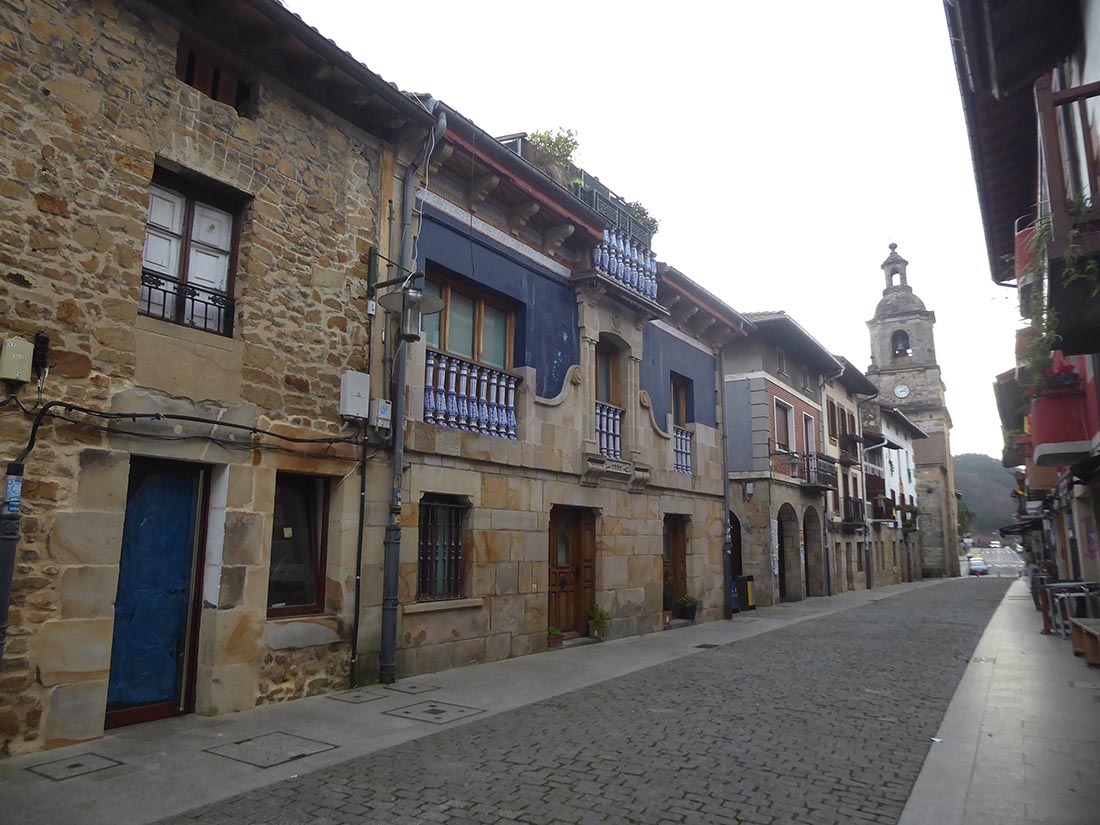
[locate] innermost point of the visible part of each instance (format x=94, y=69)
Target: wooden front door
x=572, y=566
x=159, y=588
x=675, y=554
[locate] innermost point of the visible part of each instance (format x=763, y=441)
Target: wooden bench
x=1086, y=639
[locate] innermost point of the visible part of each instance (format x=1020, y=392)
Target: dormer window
x=899, y=344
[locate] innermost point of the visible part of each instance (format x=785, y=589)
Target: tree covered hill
x=986, y=487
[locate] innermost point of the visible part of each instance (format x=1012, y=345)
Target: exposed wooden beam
x=518, y=216
x=480, y=189
x=553, y=238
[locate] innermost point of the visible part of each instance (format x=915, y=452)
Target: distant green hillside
x=986, y=487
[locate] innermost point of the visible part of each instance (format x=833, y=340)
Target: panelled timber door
x=675, y=554
x=572, y=565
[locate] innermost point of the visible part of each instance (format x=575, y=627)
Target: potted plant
x=689, y=606
x=669, y=604
x=598, y=620
x=553, y=637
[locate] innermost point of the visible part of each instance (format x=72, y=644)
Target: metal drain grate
x=706, y=646
x=270, y=749
x=438, y=713
x=412, y=688
x=355, y=697
x=74, y=766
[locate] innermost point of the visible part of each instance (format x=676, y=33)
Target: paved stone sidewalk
x=826, y=721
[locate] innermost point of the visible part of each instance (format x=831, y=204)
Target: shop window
x=296, y=576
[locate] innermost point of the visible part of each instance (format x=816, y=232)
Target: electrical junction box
x=355, y=395
x=381, y=414
x=15, y=360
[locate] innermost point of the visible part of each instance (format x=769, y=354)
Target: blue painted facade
x=665, y=354
x=544, y=303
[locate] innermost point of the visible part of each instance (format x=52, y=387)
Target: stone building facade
x=190, y=222
x=846, y=504
x=779, y=473
x=903, y=367
x=559, y=509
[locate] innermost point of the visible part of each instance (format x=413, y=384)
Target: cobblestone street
x=826, y=721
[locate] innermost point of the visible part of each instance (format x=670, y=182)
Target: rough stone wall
x=90, y=105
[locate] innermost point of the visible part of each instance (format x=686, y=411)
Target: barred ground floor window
x=440, y=572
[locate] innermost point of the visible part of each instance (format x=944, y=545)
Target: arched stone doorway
x=790, y=566
x=815, y=555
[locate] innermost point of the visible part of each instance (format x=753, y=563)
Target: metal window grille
x=439, y=561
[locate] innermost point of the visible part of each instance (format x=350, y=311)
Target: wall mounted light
x=747, y=490
x=412, y=304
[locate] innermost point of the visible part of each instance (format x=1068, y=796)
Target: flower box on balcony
x=1058, y=429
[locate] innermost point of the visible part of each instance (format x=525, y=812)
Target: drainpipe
x=867, y=573
x=9, y=541
x=825, y=379
x=353, y=681
x=727, y=545
x=392, y=542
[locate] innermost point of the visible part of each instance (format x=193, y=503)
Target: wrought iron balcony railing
x=854, y=510
x=200, y=308
x=463, y=395
x=681, y=449
x=609, y=422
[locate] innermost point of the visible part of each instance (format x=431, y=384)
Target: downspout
x=352, y=680
x=727, y=546
x=392, y=543
x=825, y=379
x=867, y=575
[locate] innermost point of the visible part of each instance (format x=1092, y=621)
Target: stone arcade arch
x=790, y=564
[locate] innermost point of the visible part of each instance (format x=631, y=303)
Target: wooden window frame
x=834, y=436
x=680, y=387
x=480, y=303
x=790, y=425
x=195, y=193
x=320, y=551
x=615, y=379
x=197, y=53
x=781, y=361
x=810, y=447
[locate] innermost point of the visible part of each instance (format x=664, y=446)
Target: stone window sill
x=445, y=604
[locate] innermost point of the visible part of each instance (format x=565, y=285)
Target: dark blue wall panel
x=665, y=354
x=545, y=304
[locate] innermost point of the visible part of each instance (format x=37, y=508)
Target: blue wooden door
x=153, y=606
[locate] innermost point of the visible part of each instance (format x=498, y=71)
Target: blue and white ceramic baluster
x=452, y=399
x=441, y=391
x=463, y=383
x=653, y=272
x=482, y=403
x=511, y=406
x=494, y=416
x=605, y=253
x=616, y=444
x=429, y=387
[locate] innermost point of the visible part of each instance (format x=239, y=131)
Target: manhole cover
x=438, y=713
x=355, y=697
x=74, y=766
x=706, y=646
x=412, y=688
x=271, y=749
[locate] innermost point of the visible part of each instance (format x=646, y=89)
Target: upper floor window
x=608, y=390
x=682, y=413
x=781, y=360
x=805, y=378
x=469, y=326
x=833, y=432
x=899, y=344
x=216, y=76
x=188, y=257
x=784, y=433
x=296, y=577
x=609, y=412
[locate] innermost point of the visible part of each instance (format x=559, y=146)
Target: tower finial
x=894, y=265
x=893, y=247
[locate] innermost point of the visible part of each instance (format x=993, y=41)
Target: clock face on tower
x=901, y=391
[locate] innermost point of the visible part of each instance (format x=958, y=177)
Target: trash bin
x=745, y=599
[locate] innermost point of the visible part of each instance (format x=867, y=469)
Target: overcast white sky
x=782, y=146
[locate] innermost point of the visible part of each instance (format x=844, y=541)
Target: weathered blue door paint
x=154, y=586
